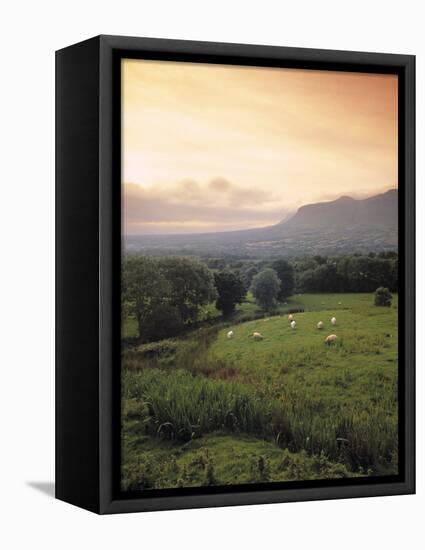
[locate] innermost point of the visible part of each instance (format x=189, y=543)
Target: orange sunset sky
x=219, y=148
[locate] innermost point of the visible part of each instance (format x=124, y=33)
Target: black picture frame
x=88, y=255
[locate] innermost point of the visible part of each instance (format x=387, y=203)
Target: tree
x=230, y=290
x=164, y=322
x=144, y=290
x=320, y=260
x=216, y=263
x=383, y=297
x=285, y=272
x=248, y=273
x=307, y=281
x=393, y=283
x=324, y=278
x=192, y=285
x=265, y=287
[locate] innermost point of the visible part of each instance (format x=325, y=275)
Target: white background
x=30, y=32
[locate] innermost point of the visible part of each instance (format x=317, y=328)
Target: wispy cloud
x=189, y=206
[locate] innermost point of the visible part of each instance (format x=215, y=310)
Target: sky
x=210, y=148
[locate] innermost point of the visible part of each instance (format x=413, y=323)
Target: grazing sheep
x=257, y=336
x=320, y=325
x=333, y=321
x=331, y=339
x=339, y=303
x=290, y=317
x=230, y=334
x=293, y=324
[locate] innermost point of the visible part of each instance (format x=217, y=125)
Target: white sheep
x=230, y=334
x=257, y=336
x=333, y=321
x=320, y=325
x=339, y=303
x=290, y=317
x=331, y=339
x=293, y=324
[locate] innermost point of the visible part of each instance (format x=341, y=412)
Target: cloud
x=219, y=185
x=189, y=206
x=281, y=137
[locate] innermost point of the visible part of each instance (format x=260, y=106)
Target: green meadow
x=205, y=409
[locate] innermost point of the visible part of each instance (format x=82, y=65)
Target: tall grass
x=180, y=406
x=177, y=403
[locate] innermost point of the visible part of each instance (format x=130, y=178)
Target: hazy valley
x=342, y=226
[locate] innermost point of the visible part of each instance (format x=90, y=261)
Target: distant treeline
x=348, y=273
x=165, y=294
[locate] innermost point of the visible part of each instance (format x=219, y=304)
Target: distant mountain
x=344, y=225
x=378, y=211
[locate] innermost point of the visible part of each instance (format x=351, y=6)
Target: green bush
x=383, y=297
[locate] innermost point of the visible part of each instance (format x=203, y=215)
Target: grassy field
x=205, y=410
x=245, y=311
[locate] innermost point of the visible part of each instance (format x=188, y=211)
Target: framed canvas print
x=235, y=274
